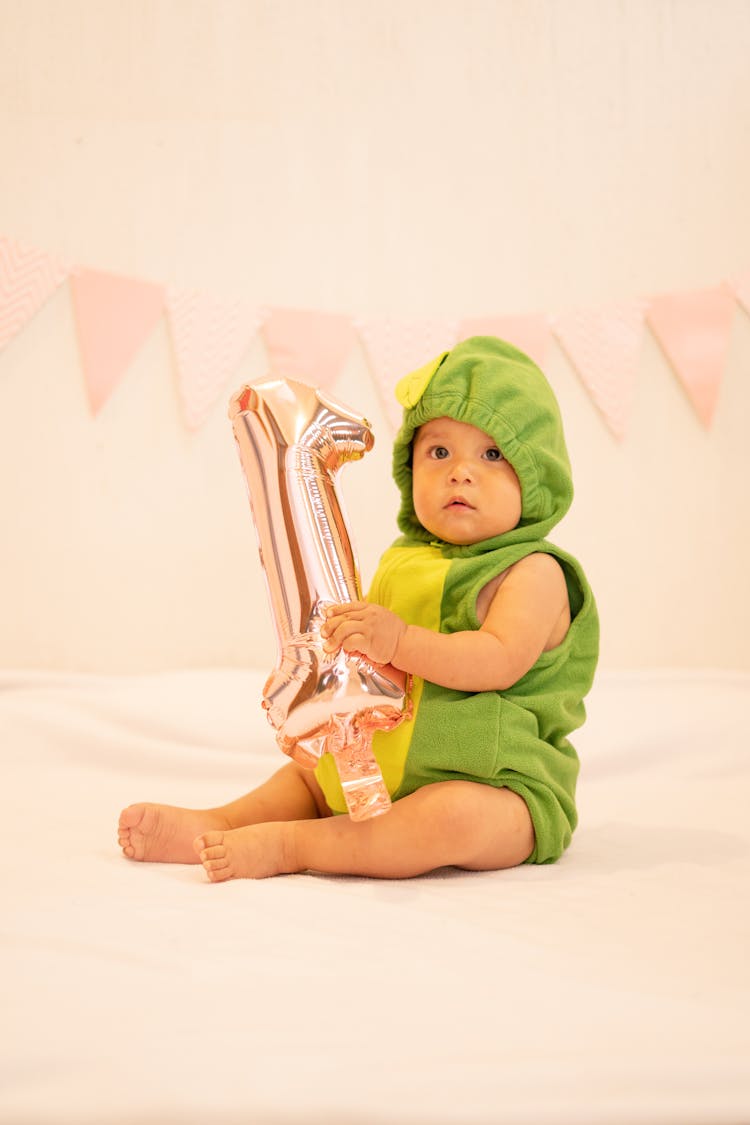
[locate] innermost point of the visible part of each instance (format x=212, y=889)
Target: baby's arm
x=522, y=621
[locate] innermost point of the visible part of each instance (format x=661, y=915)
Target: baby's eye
x=439, y=452
x=493, y=454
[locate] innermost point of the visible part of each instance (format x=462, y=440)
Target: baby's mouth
x=458, y=502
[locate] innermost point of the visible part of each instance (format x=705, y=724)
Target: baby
x=498, y=628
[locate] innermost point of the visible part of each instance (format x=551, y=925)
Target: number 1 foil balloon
x=292, y=441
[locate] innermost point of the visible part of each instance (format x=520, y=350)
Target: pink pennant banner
x=28, y=277
x=309, y=346
x=604, y=347
x=693, y=330
x=396, y=347
x=210, y=336
x=529, y=333
x=114, y=316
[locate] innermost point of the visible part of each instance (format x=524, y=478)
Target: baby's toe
x=216, y=863
x=208, y=840
x=131, y=817
x=218, y=874
x=125, y=843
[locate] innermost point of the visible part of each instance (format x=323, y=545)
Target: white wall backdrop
x=447, y=158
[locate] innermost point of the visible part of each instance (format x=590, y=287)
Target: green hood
x=493, y=386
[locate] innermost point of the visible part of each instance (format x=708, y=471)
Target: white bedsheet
x=611, y=987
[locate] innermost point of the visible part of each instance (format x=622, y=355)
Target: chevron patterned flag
x=28, y=277
x=604, y=346
x=210, y=337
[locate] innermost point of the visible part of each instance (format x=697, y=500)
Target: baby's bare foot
x=254, y=852
x=164, y=833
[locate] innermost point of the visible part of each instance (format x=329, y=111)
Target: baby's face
x=463, y=489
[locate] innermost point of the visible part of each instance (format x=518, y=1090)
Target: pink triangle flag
x=693, y=330
x=604, y=346
x=114, y=316
x=395, y=347
x=306, y=345
x=529, y=333
x=28, y=277
x=210, y=336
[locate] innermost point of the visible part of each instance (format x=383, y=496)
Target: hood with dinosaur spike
x=495, y=387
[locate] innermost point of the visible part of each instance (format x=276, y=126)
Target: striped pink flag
x=210, y=335
x=28, y=277
x=693, y=330
x=395, y=347
x=114, y=316
x=604, y=347
x=309, y=346
x=529, y=333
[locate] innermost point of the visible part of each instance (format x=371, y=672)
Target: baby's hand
x=363, y=627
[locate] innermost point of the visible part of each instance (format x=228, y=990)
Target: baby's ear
x=410, y=389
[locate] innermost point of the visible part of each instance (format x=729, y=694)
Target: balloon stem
x=362, y=783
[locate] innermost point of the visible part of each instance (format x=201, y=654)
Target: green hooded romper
x=515, y=738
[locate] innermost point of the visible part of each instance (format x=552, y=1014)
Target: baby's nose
x=461, y=470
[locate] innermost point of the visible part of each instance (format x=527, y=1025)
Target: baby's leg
x=450, y=823
x=165, y=833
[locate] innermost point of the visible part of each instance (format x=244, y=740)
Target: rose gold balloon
x=292, y=440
